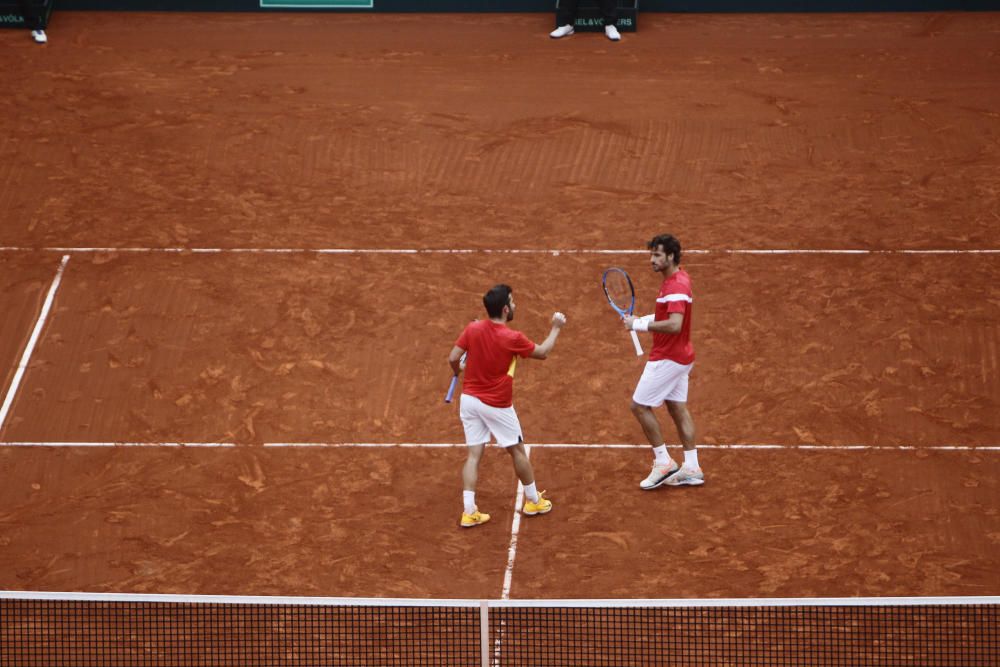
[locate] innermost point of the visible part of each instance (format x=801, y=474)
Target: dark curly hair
x=671, y=246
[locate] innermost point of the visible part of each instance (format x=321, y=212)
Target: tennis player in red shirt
x=665, y=377
x=487, y=405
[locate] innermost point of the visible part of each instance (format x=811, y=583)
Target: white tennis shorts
x=662, y=380
x=480, y=420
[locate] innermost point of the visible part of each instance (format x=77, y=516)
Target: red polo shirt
x=674, y=297
x=489, y=366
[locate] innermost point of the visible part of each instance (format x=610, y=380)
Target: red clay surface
x=24, y=283
x=315, y=131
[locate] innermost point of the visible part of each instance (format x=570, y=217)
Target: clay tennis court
x=220, y=198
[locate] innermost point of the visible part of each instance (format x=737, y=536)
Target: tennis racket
x=621, y=295
x=454, y=383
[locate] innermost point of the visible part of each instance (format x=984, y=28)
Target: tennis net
x=80, y=629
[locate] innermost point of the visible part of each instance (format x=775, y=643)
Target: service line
x=543, y=445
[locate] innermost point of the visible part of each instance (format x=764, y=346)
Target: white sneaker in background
x=612, y=33
x=39, y=36
x=562, y=31
x=688, y=475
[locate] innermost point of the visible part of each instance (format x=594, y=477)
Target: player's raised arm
x=542, y=351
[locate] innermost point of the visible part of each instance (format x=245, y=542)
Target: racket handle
x=635, y=341
x=451, y=389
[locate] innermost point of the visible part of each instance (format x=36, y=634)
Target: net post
x=484, y=633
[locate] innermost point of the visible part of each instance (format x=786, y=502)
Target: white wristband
x=640, y=324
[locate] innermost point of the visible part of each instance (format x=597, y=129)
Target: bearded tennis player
x=665, y=378
x=486, y=405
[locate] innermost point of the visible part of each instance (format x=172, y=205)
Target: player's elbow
x=539, y=353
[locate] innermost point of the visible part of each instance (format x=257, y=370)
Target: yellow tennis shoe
x=543, y=506
x=475, y=519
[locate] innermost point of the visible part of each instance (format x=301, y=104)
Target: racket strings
x=619, y=291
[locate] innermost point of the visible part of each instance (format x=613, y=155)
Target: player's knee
x=638, y=410
x=677, y=410
x=515, y=451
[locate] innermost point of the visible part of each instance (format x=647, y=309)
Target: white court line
x=501, y=251
x=30, y=347
x=544, y=445
x=515, y=526
x=508, y=574
x=121, y=444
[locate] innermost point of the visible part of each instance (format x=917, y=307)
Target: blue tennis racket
x=454, y=383
x=621, y=295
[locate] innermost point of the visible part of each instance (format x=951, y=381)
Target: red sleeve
x=680, y=305
x=463, y=338
x=521, y=345
x=677, y=307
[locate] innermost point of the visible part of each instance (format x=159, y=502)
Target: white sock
x=691, y=457
x=661, y=456
x=469, y=498
x=531, y=491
